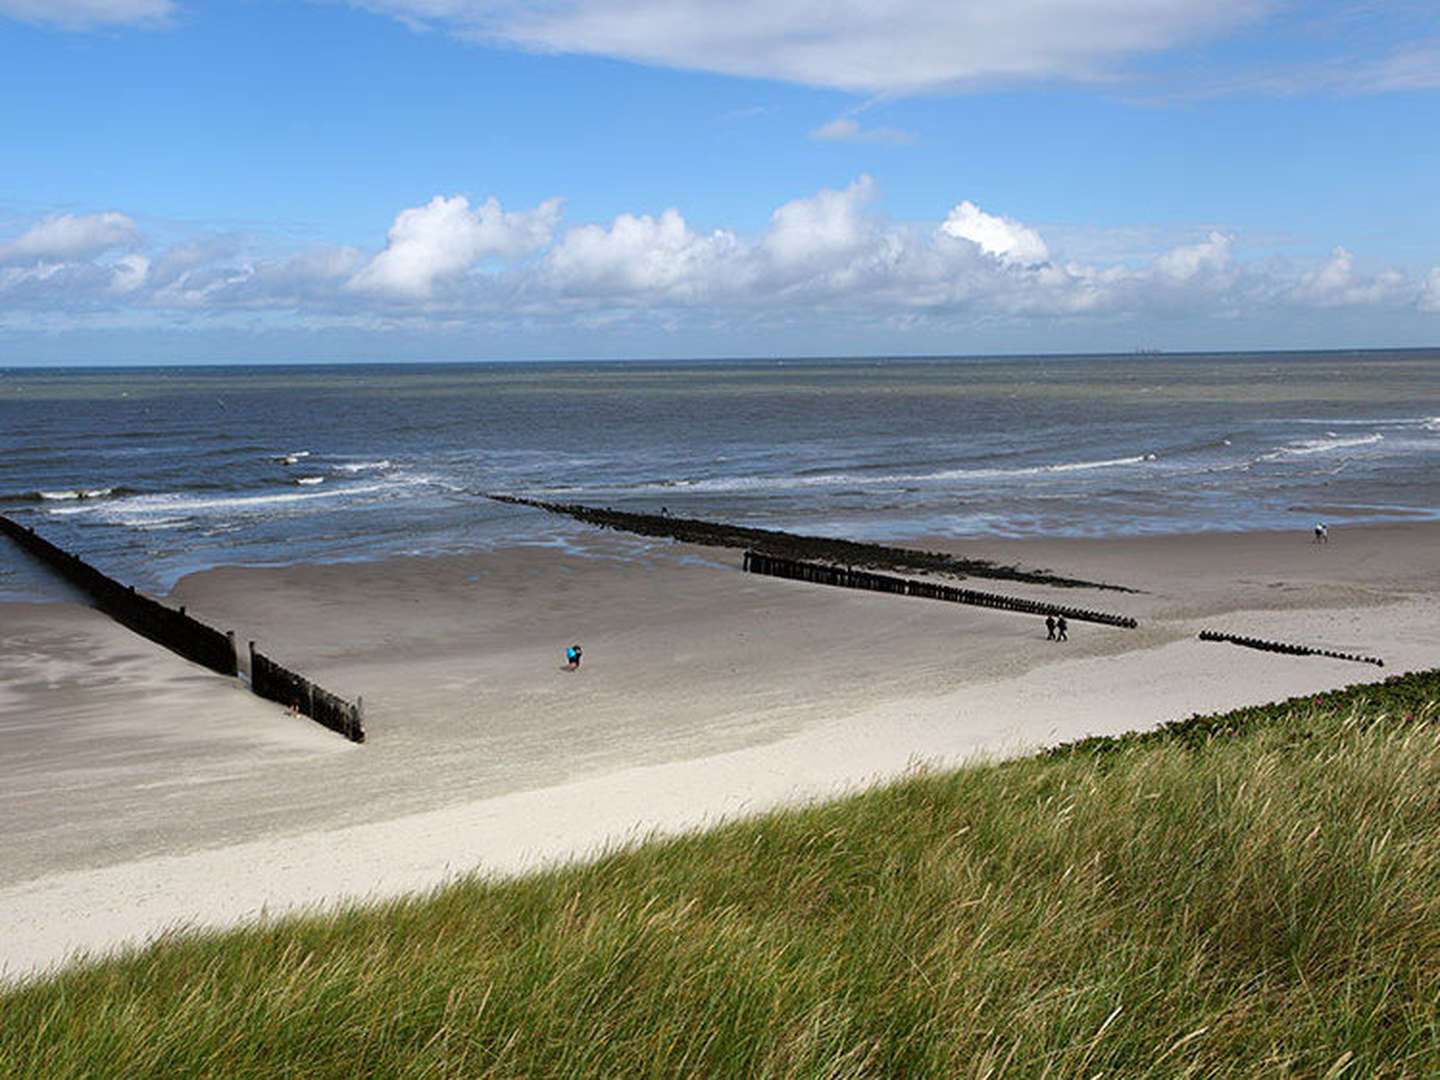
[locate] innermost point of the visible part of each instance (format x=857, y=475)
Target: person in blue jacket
x=572, y=657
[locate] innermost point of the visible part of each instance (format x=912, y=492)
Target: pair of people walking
x=1056, y=628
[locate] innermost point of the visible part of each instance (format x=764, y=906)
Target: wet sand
x=141, y=792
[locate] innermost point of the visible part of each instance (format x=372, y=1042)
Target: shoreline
x=485, y=755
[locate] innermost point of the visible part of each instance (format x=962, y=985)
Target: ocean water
x=155, y=472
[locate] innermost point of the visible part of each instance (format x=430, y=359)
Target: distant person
x=1322, y=534
x=1060, y=627
x=572, y=657
x=1049, y=627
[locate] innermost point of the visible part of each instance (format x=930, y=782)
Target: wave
x=1329, y=443
x=309, y=481
x=856, y=480
x=363, y=466
x=1378, y=421
x=66, y=494
x=175, y=505
x=74, y=493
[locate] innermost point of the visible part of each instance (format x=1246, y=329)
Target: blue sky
x=187, y=181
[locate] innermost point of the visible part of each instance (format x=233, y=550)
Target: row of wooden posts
x=1286, y=647
x=850, y=578
x=187, y=636
x=277, y=683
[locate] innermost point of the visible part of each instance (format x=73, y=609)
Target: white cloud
x=1334, y=283
x=128, y=273
x=848, y=129
x=445, y=238
x=1414, y=66
x=858, y=45
x=824, y=227
x=1430, y=291
x=828, y=260
x=642, y=256
x=1191, y=261
x=1002, y=237
x=63, y=236
x=84, y=14
x=180, y=259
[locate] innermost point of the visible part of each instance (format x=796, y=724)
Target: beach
x=145, y=794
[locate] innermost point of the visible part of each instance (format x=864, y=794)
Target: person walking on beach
x=1049, y=627
x=1060, y=627
x=1322, y=534
x=572, y=657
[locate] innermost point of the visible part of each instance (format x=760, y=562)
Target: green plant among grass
x=1251, y=895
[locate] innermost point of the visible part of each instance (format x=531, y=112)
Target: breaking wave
x=863, y=480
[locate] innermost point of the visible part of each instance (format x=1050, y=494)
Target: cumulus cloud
x=1003, y=237
x=1190, y=261
x=1335, y=283
x=641, y=256
x=178, y=260
x=128, y=273
x=822, y=228
x=64, y=236
x=446, y=237
x=1430, y=291
x=867, y=47
x=84, y=14
x=830, y=258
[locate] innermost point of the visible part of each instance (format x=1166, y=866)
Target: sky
x=205, y=181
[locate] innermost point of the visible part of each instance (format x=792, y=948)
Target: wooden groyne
x=850, y=578
x=1288, y=648
x=170, y=627
x=277, y=683
x=793, y=546
x=188, y=637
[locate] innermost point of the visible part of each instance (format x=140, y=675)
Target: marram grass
x=1252, y=896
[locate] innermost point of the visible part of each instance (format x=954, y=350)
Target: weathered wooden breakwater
x=187, y=636
x=785, y=545
x=173, y=628
x=276, y=683
x=1286, y=647
x=850, y=578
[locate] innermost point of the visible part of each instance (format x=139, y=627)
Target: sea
x=153, y=472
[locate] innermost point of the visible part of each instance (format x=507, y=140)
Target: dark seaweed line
x=785, y=545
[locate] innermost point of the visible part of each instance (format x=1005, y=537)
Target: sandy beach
x=144, y=794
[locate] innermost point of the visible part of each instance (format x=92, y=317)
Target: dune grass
x=1250, y=895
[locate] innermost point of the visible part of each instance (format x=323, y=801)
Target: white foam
x=363, y=466
x=145, y=509
x=74, y=493
x=1376, y=421
x=865, y=480
x=1329, y=443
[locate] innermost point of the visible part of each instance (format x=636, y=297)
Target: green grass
x=1249, y=895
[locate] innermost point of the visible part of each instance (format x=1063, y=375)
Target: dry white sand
x=143, y=794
